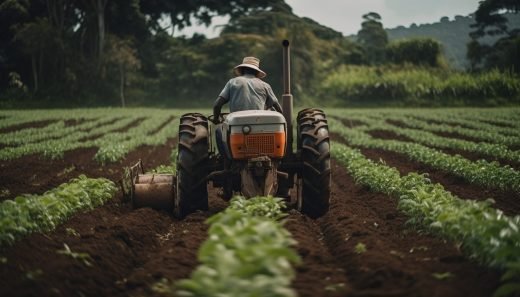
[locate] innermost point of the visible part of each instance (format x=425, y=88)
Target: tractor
x=259, y=159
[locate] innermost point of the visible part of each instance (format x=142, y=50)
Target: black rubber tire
x=192, y=165
x=314, y=146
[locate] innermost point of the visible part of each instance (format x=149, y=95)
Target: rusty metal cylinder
x=153, y=178
x=154, y=190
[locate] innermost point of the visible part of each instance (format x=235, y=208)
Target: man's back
x=248, y=92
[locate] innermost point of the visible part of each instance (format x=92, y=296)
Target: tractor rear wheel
x=192, y=165
x=314, y=146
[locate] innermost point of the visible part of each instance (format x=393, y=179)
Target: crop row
x=247, y=253
x=485, y=233
x=480, y=172
x=457, y=120
x=54, y=131
x=80, y=116
x=17, y=117
x=113, y=145
x=493, y=137
x=433, y=140
x=55, y=148
x=467, y=123
x=496, y=120
x=40, y=213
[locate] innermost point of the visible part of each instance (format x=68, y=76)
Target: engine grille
x=260, y=144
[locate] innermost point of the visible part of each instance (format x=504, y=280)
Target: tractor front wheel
x=192, y=165
x=314, y=146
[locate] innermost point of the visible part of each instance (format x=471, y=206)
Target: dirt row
x=34, y=174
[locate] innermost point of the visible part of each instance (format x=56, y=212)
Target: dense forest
x=58, y=53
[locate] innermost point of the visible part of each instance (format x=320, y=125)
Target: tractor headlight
x=246, y=129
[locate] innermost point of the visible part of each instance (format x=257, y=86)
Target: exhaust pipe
x=287, y=98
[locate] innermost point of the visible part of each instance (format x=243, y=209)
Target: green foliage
x=269, y=207
x=414, y=86
x=41, y=213
x=102, y=128
x=373, y=38
x=417, y=51
x=63, y=52
x=490, y=20
x=247, y=253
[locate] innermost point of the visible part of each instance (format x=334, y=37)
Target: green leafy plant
x=247, y=253
x=40, y=213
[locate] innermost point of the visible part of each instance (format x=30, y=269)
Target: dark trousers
x=221, y=144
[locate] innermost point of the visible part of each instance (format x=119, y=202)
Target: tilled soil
x=35, y=174
x=131, y=250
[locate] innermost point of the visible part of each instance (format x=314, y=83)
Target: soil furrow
x=17, y=127
x=34, y=174
x=176, y=257
x=396, y=261
x=319, y=274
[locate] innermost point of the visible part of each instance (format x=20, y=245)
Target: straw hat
x=253, y=63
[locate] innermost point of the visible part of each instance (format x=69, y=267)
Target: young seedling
x=360, y=248
x=83, y=257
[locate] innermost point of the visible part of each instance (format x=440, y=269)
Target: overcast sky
x=345, y=15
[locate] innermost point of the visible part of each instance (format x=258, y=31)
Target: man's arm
x=271, y=100
x=277, y=107
x=218, y=106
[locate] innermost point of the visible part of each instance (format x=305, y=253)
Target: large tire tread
x=192, y=165
x=314, y=146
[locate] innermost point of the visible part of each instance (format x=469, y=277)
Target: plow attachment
x=149, y=189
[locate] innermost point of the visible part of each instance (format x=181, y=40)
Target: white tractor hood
x=254, y=117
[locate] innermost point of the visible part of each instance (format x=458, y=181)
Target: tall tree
x=373, y=37
x=490, y=20
x=123, y=55
x=37, y=38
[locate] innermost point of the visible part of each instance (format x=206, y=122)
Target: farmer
x=246, y=91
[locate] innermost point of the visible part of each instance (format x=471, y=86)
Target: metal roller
x=148, y=190
x=154, y=190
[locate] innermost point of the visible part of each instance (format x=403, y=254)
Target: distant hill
x=453, y=34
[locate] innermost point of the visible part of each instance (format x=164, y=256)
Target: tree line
x=117, y=52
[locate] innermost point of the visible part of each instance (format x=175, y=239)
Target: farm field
x=425, y=202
